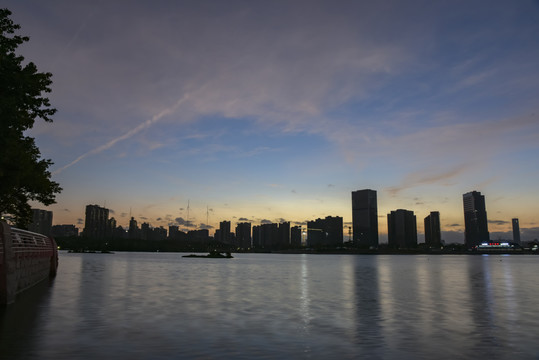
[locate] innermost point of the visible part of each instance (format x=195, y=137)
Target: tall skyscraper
x=433, y=235
x=402, y=229
x=365, y=218
x=516, y=231
x=224, y=227
x=41, y=222
x=243, y=235
x=96, y=222
x=475, y=219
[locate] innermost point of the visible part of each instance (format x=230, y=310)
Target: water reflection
x=21, y=323
x=161, y=306
x=369, y=320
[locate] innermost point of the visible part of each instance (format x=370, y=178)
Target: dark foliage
x=24, y=176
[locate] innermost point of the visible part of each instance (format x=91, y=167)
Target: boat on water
x=212, y=254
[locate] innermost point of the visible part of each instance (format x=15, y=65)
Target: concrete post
x=8, y=283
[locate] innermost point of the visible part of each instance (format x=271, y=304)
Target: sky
x=193, y=112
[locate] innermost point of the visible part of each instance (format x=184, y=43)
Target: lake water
x=273, y=306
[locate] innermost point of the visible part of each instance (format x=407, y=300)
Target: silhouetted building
x=516, y=231
x=198, y=235
x=265, y=236
x=224, y=232
x=64, y=230
x=111, y=227
x=402, y=229
x=145, y=231
x=133, y=231
x=41, y=222
x=159, y=233
x=295, y=237
x=284, y=236
x=365, y=218
x=96, y=222
x=334, y=230
x=256, y=237
x=475, y=219
x=433, y=235
x=325, y=232
x=316, y=234
x=243, y=235
x=173, y=231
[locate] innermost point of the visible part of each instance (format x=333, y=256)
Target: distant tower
x=402, y=229
x=475, y=219
x=516, y=231
x=365, y=218
x=433, y=236
x=96, y=222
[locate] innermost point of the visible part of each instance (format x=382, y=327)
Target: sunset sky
x=269, y=110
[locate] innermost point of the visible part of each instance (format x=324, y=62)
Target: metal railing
x=26, y=258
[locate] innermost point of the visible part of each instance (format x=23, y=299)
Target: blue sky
x=270, y=110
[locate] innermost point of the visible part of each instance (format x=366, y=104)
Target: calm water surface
x=163, y=306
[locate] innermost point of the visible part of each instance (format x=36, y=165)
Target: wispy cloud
x=427, y=177
x=125, y=136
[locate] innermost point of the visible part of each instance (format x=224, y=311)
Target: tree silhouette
x=24, y=176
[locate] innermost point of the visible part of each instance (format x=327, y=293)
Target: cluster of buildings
x=327, y=232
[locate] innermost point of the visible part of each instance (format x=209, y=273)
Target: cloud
x=265, y=221
x=243, y=219
x=498, y=222
x=80, y=221
x=427, y=177
x=205, y=226
x=182, y=222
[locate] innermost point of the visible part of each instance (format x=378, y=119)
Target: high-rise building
x=96, y=222
x=316, y=233
x=516, y=231
x=224, y=232
x=325, y=232
x=433, y=235
x=133, y=231
x=402, y=229
x=243, y=235
x=475, y=219
x=365, y=218
x=284, y=235
x=295, y=237
x=41, y=222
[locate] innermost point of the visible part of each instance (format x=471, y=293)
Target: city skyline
x=363, y=206
x=268, y=111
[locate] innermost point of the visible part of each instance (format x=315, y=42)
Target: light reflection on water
x=163, y=306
